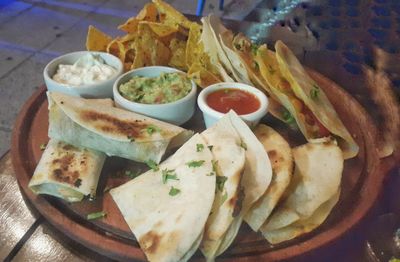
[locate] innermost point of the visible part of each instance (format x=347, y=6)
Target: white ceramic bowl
x=211, y=116
x=101, y=89
x=177, y=112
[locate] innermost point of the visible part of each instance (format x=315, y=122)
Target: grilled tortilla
x=67, y=172
x=312, y=193
x=85, y=122
x=254, y=182
x=168, y=214
x=281, y=158
x=229, y=162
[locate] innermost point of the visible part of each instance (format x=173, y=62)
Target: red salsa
x=242, y=102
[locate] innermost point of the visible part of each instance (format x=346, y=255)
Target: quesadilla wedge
x=85, y=122
x=311, y=195
x=167, y=208
x=254, y=182
x=67, y=172
x=321, y=112
x=229, y=162
x=280, y=155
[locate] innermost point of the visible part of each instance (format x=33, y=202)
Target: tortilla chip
x=115, y=47
x=178, y=48
x=148, y=13
x=148, y=49
x=161, y=30
x=194, y=48
x=96, y=40
x=201, y=76
x=171, y=16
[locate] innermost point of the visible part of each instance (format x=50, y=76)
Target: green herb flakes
x=287, y=116
x=211, y=174
x=214, y=165
x=151, y=129
x=254, y=49
x=131, y=138
x=195, y=163
x=210, y=147
x=168, y=174
x=153, y=165
x=174, y=191
x=43, y=146
x=96, y=215
x=199, y=147
x=243, y=145
x=224, y=198
x=256, y=66
x=314, y=92
x=221, y=182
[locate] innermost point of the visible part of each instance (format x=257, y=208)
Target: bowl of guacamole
x=160, y=92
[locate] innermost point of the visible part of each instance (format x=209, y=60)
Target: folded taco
x=88, y=123
x=305, y=101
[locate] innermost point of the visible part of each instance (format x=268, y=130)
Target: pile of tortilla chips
x=158, y=35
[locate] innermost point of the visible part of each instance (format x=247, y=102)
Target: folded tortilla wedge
x=253, y=183
x=167, y=209
x=280, y=155
x=88, y=123
x=302, y=97
x=312, y=193
x=67, y=172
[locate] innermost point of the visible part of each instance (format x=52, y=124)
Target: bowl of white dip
x=85, y=73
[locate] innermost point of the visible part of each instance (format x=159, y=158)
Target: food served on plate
x=85, y=122
x=67, y=171
x=88, y=69
x=165, y=88
x=312, y=193
x=167, y=207
x=280, y=155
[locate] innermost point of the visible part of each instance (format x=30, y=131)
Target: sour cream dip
x=89, y=69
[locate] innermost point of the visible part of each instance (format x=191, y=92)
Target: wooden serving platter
x=362, y=181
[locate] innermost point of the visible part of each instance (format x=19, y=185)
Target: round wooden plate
x=361, y=183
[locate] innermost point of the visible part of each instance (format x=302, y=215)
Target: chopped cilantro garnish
x=153, y=165
x=96, y=215
x=221, y=182
x=224, y=197
x=287, y=116
x=210, y=147
x=132, y=174
x=195, y=163
x=254, y=48
x=243, y=144
x=43, y=146
x=151, y=129
x=78, y=182
x=168, y=174
x=199, y=147
x=174, y=191
x=214, y=165
x=255, y=65
x=238, y=46
x=211, y=174
x=314, y=92
x=131, y=138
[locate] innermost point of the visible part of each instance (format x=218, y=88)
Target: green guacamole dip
x=166, y=88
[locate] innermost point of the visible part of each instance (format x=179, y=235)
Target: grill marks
x=112, y=125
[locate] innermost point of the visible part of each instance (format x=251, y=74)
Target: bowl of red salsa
x=248, y=102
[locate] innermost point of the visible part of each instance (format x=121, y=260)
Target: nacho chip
x=194, y=48
x=178, y=49
x=171, y=16
x=201, y=76
x=115, y=47
x=148, y=49
x=148, y=13
x=161, y=30
x=96, y=40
